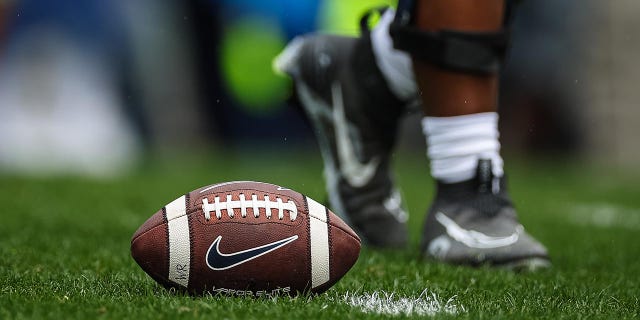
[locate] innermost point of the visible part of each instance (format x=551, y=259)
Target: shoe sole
x=527, y=265
x=523, y=265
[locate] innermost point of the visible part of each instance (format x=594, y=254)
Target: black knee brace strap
x=472, y=52
x=461, y=51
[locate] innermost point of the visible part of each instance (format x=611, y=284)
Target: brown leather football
x=245, y=238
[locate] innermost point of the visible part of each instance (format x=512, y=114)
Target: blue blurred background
x=91, y=87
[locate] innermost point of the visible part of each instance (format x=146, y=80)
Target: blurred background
x=93, y=87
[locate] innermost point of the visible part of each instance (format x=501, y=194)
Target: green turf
x=64, y=246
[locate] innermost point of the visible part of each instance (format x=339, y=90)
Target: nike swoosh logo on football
x=357, y=174
x=217, y=260
x=475, y=239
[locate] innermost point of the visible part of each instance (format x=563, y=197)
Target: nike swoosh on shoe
x=356, y=173
x=475, y=239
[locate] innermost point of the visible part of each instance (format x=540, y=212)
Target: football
x=245, y=238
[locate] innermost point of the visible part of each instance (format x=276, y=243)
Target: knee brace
x=472, y=52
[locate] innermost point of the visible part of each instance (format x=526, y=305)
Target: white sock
x=396, y=65
x=455, y=144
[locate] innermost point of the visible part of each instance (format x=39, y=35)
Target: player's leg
x=446, y=91
x=457, y=47
x=355, y=117
x=461, y=176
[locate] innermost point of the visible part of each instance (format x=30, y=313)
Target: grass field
x=64, y=248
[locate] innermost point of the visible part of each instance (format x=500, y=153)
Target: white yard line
x=381, y=302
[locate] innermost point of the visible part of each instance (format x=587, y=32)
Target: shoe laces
x=490, y=194
x=485, y=192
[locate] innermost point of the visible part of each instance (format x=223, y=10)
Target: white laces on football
x=229, y=205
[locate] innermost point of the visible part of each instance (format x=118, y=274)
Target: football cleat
x=474, y=223
x=355, y=118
